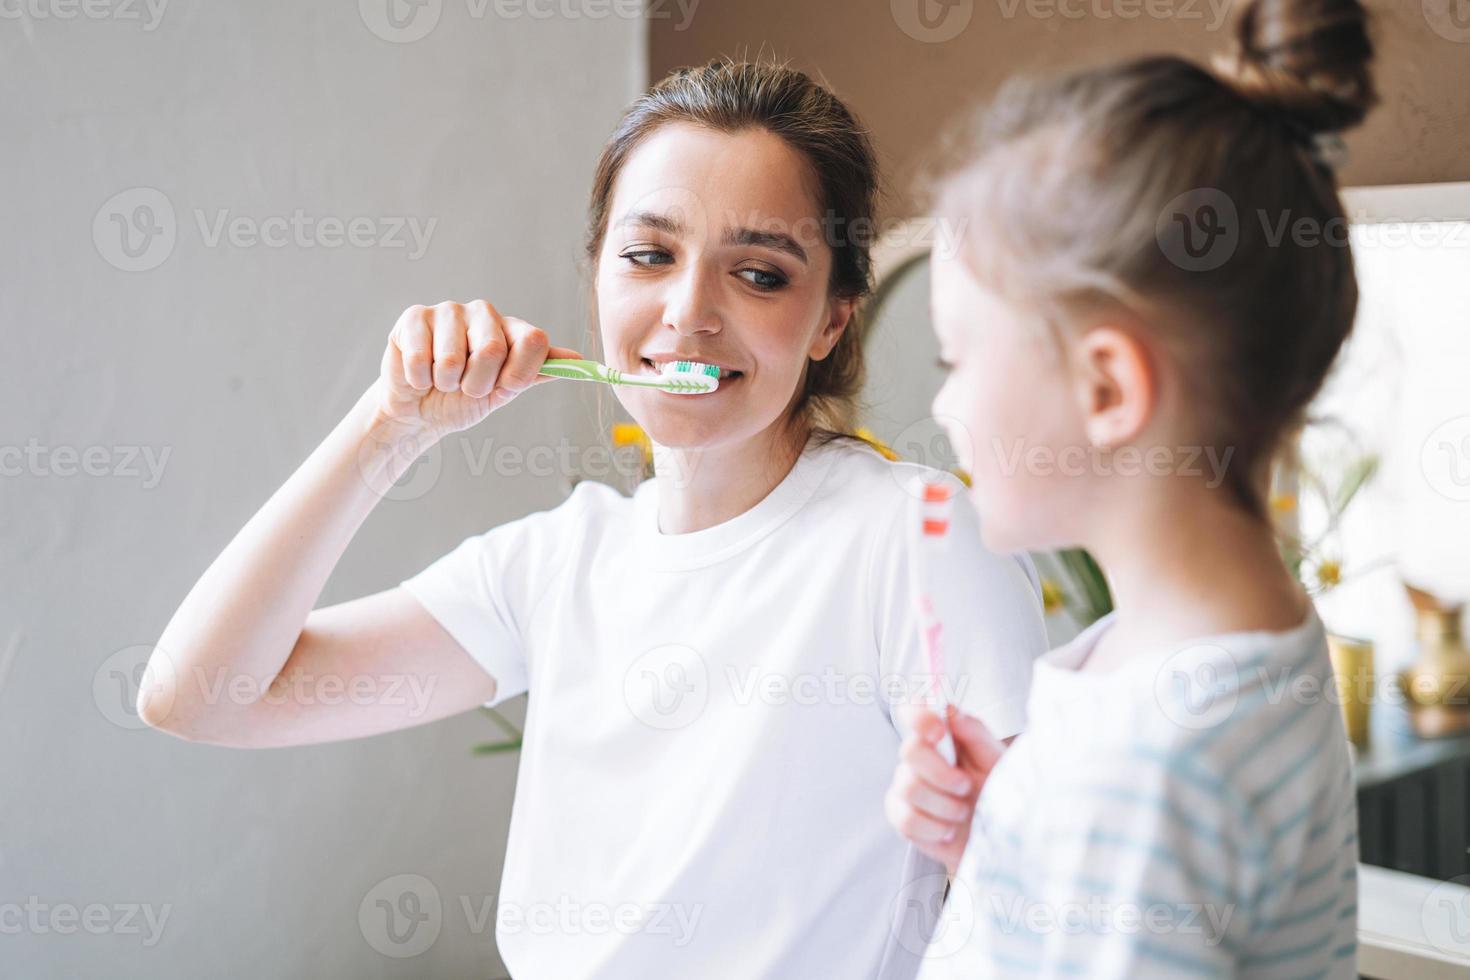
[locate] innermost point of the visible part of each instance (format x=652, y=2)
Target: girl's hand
x=448, y=366
x=931, y=802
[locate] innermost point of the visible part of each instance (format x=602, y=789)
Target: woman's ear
x=839, y=315
x=1116, y=386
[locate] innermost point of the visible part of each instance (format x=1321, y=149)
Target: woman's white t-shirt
x=712, y=722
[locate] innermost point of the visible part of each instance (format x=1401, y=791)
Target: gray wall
x=234, y=358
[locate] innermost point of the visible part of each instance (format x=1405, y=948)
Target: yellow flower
x=1283, y=503
x=631, y=434
x=1329, y=573
x=1051, y=596
x=867, y=436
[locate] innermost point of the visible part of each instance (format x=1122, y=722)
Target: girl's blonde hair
x=1178, y=193
x=730, y=96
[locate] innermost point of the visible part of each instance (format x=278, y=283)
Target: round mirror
x=902, y=355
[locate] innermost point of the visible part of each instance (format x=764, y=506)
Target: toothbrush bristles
x=689, y=377
x=695, y=367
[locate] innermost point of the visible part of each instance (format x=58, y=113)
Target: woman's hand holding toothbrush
x=251, y=614
x=930, y=801
x=448, y=366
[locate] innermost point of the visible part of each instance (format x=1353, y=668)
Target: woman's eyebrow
x=779, y=241
x=671, y=225
x=658, y=222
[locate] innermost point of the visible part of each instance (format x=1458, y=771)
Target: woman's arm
x=245, y=660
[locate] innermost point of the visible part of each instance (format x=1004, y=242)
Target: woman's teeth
x=668, y=367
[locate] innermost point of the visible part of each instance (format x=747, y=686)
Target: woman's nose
x=692, y=306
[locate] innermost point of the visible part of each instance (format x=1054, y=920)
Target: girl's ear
x=839, y=315
x=1116, y=386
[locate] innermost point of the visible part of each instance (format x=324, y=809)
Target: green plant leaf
x=495, y=748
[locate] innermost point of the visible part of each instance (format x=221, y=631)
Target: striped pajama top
x=1190, y=814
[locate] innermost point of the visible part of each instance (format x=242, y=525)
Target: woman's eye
x=762, y=279
x=649, y=257
x=943, y=365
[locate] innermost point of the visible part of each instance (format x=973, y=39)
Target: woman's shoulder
x=884, y=482
x=590, y=503
x=593, y=495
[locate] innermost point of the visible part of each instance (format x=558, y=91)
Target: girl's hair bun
x=1308, y=60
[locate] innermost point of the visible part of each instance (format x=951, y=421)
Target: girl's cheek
x=999, y=435
x=943, y=404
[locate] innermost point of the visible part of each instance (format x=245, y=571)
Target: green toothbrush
x=679, y=377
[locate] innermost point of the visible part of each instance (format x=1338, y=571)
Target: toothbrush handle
x=578, y=370
x=945, y=747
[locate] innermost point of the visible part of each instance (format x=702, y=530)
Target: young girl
x=1181, y=803
x=711, y=664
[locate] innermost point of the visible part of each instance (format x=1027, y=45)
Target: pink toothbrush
x=929, y=521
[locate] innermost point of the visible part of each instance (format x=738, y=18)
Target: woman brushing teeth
x=661, y=363
x=714, y=664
